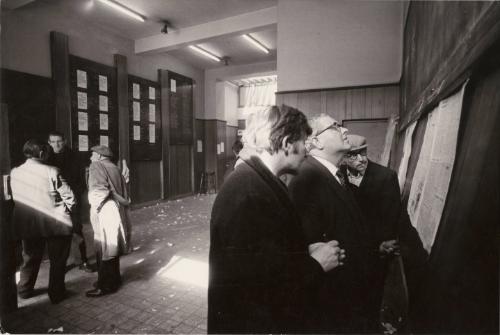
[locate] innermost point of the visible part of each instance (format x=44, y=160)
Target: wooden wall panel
x=199, y=157
x=211, y=145
x=145, y=181
x=180, y=171
x=221, y=157
x=443, y=41
x=373, y=102
x=231, y=136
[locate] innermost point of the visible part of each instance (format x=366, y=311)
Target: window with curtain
x=256, y=96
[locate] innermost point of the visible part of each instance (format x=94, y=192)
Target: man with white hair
x=260, y=265
x=329, y=212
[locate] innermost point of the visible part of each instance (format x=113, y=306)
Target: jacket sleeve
x=390, y=206
x=65, y=192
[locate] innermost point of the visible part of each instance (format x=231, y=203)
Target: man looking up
x=62, y=157
x=329, y=211
x=260, y=267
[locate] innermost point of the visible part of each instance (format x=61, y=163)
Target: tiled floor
x=164, y=288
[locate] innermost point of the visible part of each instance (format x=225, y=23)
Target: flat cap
x=102, y=150
x=357, y=142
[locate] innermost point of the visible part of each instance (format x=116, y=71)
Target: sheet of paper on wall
x=103, y=121
x=82, y=100
x=434, y=168
x=103, y=103
x=81, y=79
x=403, y=165
x=137, y=133
x=152, y=93
x=152, y=112
x=199, y=146
x=218, y=149
x=103, y=140
x=83, y=143
x=221, y=147
x=103, y=83
x=389, y=136
x=83, y=121
x=152, y=136
x=136, y=91
x=136, y=107
x=173, y=85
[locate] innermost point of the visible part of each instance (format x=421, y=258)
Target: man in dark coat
x=43, y=204
x=260, y=266
x=329, y=211
x=62, y=157
x=376, y=190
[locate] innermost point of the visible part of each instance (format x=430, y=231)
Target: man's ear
x=285, y=144
x=316, y=143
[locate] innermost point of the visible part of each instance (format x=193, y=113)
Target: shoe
x=97, y=292
x=86, y=267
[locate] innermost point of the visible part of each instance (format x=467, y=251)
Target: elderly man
x=62, y=157
x=329, y=211
x=109, y=201
x=260, y=266
x=43, y=204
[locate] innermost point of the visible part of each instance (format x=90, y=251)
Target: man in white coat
x=109, y=201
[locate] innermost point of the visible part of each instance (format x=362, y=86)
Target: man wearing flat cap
x=329, y=212
x=376, y=190
x=109, y=201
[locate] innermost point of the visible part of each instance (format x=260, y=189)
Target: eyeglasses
x=334, y=126
x=354, y=155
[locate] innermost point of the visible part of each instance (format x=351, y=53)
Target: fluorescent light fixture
x=123, y=9
x=205, y=53
x=256, y=43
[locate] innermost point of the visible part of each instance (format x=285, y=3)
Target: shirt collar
x=329, y=165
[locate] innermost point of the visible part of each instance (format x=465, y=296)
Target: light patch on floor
x=186, y=270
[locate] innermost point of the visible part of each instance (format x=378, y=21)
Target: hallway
x=164, y=280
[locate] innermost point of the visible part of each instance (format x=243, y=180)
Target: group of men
x=46, y=190
x=310, y=256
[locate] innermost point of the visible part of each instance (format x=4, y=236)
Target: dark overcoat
x=43, y=201
x=259, y=263
x=329, y=212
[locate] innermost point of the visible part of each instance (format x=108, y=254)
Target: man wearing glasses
x=329, y=211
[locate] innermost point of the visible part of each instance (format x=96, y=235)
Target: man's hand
x=328, y=254
x=389, y=247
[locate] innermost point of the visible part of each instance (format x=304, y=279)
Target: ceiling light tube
x=205, y=53
x=123, y=9
x=256, y=43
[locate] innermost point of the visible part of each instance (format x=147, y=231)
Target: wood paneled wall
x=180, y=170
x=346, y=103
x=231, y=136
x=443, y=40
x=199, y=157
x=221, y=157
x=145, y=181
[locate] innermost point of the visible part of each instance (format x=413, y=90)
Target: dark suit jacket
x=259, y=261
x=378, y=196
x=329, y=212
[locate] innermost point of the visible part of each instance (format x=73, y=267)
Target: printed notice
x=103, y=121
x=221, y=147
x=103, y=83
x=83, y=121
x=173, y=85
x=136, y=91
x=152, y=112
x=218, y=149
x=137, y=133
x=82, y=100
x=103, y=103
x=103, y=140
x=152, y=137
x=136, y=106
x=199, y=146
x=81, y=79
x=83, y=143
x=403, y=165
x=152, y=93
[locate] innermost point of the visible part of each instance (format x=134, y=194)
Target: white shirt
x=329, y=165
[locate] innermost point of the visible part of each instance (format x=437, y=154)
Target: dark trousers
x=108, y=271
x=58, y=249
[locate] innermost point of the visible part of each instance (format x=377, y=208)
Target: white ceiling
x=180, y=14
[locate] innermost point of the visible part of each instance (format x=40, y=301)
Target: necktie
x=341, y=177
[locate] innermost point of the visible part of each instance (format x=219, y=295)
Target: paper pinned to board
x=83, y=121
x=152, y=93
x=403, y=165
x=152, y=136
x=199, y=146
x=434, y=168
x=81, y=79
x=136, y=107
x=82, y=100
x=152, y=113
x=103, y=121
x=103, y=103
x=136, y=91
x=103, y=140
x=103, y=83
x=173, y=85
x=83, y=143
x=137, y=133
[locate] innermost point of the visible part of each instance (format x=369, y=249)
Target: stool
x=207, y=183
